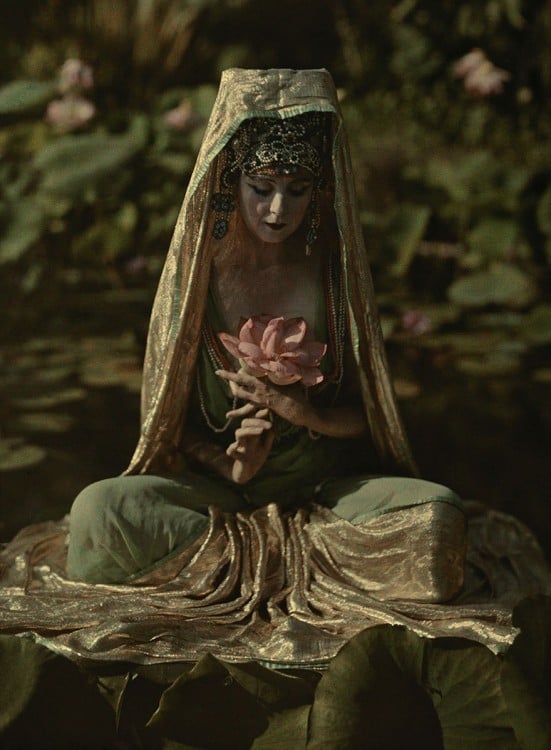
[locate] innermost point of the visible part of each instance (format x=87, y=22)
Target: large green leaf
x=405, y=230
x=23, y=230
x=389, y=688
x=285, y=729
x=74, y=163
x=19, y=97
x=493, y=238
x=372, y=696
x=214, y=699
x=47, y=702
x=464, y=680
x=501, y=284
x=526, y=676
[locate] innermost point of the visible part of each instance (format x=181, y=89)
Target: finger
x=247, y=395
x=236, y=450
x=242, y=411
x=255, y=422
x=246, y=432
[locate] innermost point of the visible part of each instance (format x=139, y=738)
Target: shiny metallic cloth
x=286, y=589
x=174, y=333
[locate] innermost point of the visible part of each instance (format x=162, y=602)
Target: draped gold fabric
x=287, y=589
x=174, y=333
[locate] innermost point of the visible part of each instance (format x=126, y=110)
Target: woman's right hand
x=253, y=442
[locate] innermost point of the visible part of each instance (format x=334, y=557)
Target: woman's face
x=274, y=206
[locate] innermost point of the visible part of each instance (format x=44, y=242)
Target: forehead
x=301, y=175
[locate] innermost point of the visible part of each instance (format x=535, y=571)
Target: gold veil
x=174, y=333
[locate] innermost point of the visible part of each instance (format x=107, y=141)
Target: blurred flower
x=416, y=322
x=275, y=347
x=182, y=117
x=136, y=265
x=75, y=76
x=70, y=113
x=469, y=62
x=481, y=77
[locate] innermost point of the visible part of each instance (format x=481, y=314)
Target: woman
x=268, y=231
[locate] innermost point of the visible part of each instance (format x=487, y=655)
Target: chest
x=288, y=291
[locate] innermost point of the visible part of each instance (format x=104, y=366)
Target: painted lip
x=275, y=226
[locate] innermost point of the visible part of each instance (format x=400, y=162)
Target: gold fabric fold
x=281, y=588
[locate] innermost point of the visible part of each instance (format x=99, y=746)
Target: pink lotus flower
x=480, y=76
x=275, y=348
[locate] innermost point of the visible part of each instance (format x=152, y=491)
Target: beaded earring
x=314, y=218
x=223, y=204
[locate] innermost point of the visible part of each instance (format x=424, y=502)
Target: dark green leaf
x=464, y=681
x=286, y=729
x=22, y=231
x=493, y=238
x=526, y=676
x=204, y=706
x=47, y=702
x=371, y=696
x=500, y=285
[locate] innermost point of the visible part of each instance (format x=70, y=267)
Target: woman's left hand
x=288, y=402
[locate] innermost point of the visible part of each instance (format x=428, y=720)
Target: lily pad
x=201, y=706
x=371, y=696
x=526, y=675
x=50, y=400
x=389, y=688
x=501, y=284
x=536, y=327
x=15, y=454
x=44, y=422
x=46, y=701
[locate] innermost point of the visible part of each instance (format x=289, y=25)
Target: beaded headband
x=281, y=146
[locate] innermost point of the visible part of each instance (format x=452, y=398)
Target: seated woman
x=265, y=377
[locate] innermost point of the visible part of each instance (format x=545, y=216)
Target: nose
x=277, y=204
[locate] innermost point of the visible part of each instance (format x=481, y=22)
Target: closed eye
x=260, y=191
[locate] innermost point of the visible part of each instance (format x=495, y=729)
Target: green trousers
x=121, y=526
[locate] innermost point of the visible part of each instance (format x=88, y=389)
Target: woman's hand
x=291, y=403
x=288, y=402
x=253, y=442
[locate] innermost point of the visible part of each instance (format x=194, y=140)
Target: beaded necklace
x=336, y=329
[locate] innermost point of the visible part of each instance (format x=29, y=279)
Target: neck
x=258, y=255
